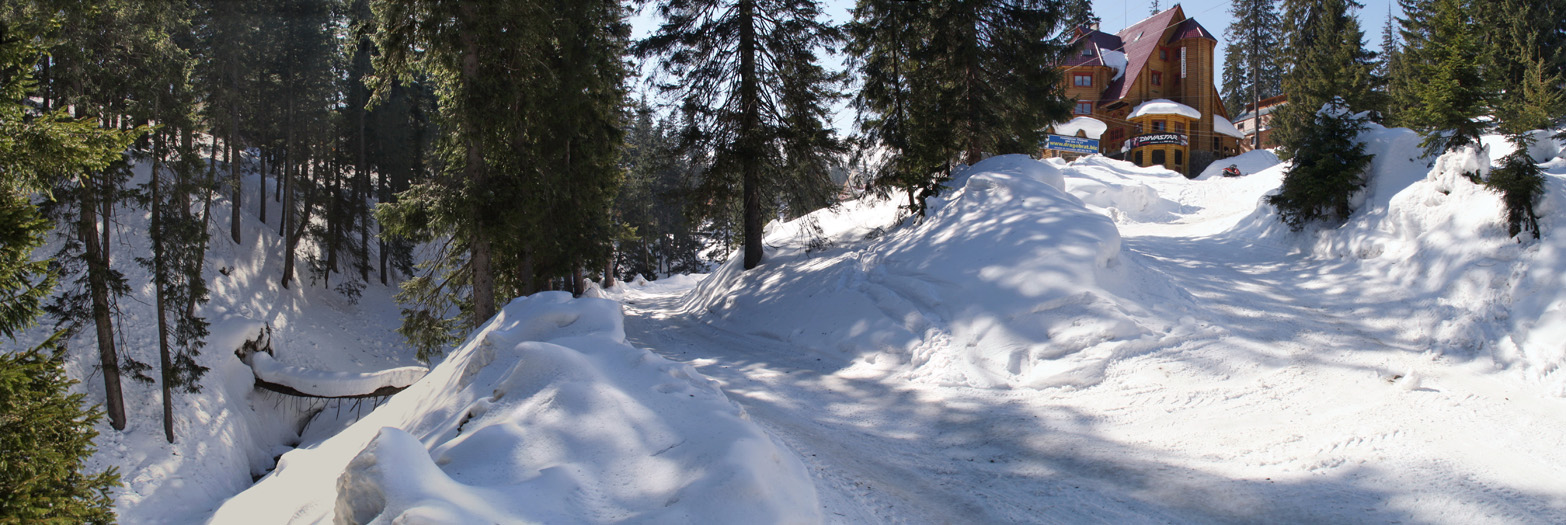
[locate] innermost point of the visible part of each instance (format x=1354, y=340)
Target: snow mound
x=1009, y=281
x=1222, y=125
x=1094, y=128
x=332, y=384
x=545, y=415
x=1249, y=162
x=1121, y=190
x=1425, y=239
x=1164, y=106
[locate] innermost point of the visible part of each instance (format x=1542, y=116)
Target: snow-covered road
x=1295, y=395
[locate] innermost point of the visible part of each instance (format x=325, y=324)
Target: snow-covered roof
x=1094, y=128
x=1164, y=106
x=1222, y=125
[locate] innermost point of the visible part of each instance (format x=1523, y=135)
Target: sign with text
x=1072, y=144
x=1156, y=139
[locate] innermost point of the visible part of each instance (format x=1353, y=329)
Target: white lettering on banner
x=1182, y=61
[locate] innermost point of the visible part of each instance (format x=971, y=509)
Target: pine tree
x=530, y=96
x=1249, y=71
x=1392, y=72
x=1326, y=47
x=1447, y=91
x=948, y=82
x=1318, y=129
x=47, y=437
x=1328, y=168
x=45, y=432
x=1075, y=14
x=747, y=76
x=1527, y=100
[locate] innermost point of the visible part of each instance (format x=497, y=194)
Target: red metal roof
x=1141, y=39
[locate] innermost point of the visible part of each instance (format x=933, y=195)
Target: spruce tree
x=746, y=74
x=949, y=82
x=530, y=95
x=45, y=431
x=1075, y=14
x=1447, y=92
x=1328, y=167
x=1318, y=129
x=1326, y=47
x=1250, y=72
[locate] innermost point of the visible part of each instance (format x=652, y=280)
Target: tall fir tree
x=1319, y=129
x=1523, y=54
x=45, y=431
x=747, y=75
x=1075, y=14
x=1326, y=47
x=530, y=94
x=949, y=82
x=1446, y=92
x=1250, y=70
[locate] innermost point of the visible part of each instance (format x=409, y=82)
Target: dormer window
x=1087, y=51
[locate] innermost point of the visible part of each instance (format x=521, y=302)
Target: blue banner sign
x=1072, y=144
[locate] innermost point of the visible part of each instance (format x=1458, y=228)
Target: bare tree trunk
x=98, y=281
x=261, y=177
x=480, y=261
x=233, y=164
x=750, y=127
x=362, y=202
x=159, y=285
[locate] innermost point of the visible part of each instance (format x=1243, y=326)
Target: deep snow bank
x=1423, y=233
x=1009, y=281
x=545, y=415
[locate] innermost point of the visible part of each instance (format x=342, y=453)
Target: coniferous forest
x=467, y=152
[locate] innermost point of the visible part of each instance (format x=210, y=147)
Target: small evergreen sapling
x=1329, y=166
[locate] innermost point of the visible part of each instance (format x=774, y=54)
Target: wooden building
x=1151, y=84
x=1252, y=121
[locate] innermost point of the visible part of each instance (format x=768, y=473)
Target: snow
x=545, y=415
x=1249, y=162
x=1130, y=346
x=1063, y=342
x=1093, y=127
x=332, y=384
x=1222, y=125
x=228, y=434
x=1116, y=60
x=1164, y=106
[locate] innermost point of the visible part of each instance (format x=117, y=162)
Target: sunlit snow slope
x=1094, y=341
x=544, y=415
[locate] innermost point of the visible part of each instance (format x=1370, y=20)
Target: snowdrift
x=544, y=415
x=1432, y=245
x=1009, y=281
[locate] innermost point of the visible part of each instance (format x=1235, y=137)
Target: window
x=1084, y=80
x=1158, y=156
x=1158, y=78
x=1179, y=127
x=1163, y=54
x=1136, y=157
x=1087, y=51
x=1179, y=158
x=1084, y=107
x=1158, y=125
x=1215, y=143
